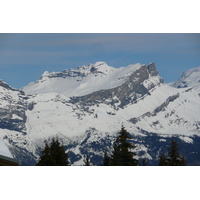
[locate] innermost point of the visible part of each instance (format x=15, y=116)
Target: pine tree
x=144, y=162
x=53, y=154
x=116, y=159
x=163, y=160
x=174, y=159
x=122, y=154
x=87, y=161
x=106, y=159
x=182, y=161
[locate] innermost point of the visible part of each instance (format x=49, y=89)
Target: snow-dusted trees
x=53, y=154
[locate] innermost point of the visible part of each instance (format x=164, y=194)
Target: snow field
x=53, y=114
x=107, y=78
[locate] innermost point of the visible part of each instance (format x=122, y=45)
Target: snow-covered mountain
x=82, y=81
x=86, y=107
x=189, y=79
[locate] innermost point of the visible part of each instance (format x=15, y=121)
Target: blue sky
x=25, y=56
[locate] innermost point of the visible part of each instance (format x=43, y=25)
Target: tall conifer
x=53, y=155
x=122, y=154
x=173, y=159
x=106, y=159
x=163, y=160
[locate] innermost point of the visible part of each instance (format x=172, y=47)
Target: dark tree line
x=122, y=154
x=53, y=154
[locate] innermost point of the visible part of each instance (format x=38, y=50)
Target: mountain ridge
x=87, y=122
x=84, y=80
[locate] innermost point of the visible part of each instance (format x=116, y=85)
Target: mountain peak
x=90, y=78
x=101, y=67
x=98, y=67
x=46, y=73
x=189, y=78
x=152, y=69
x=100, y=63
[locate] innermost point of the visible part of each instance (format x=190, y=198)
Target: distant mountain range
x=86, y=107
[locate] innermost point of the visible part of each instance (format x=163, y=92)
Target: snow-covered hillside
x=86, y=107
x=189, y=79
x=81, y=81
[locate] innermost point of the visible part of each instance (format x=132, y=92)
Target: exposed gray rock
x=160, y=108
x=6, y=86
x=152, y=69
x=127, y=93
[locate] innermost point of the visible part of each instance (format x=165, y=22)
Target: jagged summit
x=81, y=71
x=87, y=79
x=100, y=67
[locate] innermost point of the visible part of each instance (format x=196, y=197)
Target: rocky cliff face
x=12, y=108
x=86, y=107
x=133, y=89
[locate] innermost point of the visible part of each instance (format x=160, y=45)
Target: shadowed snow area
x=4, y=151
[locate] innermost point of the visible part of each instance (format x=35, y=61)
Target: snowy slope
x=177, y=114
x=54, y=112
x=189, y=79
x=81, y=81
x=86, y=107
x=57, y=115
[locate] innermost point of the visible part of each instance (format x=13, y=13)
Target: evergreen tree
x=122, y=154
x=163, y=160
x=144, y=162
x=106, y=159
x=53, y=155
x=174, y=159
x=87, y=161
x=116, y=159
x=182, y=161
